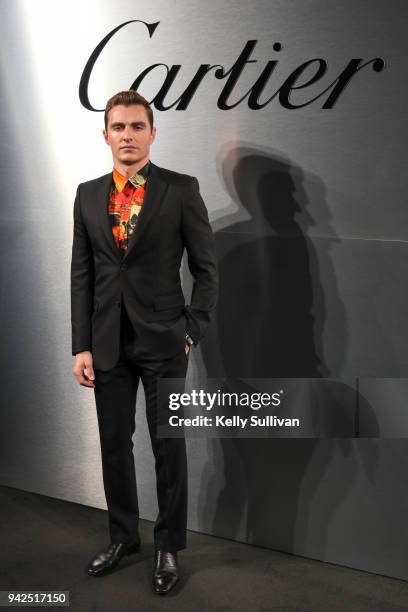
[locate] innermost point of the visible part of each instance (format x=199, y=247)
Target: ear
x=153, y=135
x=106, y=137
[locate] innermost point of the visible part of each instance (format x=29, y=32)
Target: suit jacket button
x=123, y=266
x=118, y=304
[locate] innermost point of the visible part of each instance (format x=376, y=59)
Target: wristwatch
x=189, y=340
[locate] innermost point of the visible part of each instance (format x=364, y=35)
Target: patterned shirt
x=125, y=203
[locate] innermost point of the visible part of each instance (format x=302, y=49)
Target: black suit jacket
x=147, y=277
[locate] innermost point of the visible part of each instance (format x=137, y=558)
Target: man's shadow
x=264, y=320
x=268, y=324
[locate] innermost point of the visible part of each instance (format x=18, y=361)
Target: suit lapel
x=102, y=199
x=155, y=190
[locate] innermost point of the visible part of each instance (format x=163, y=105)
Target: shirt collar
x=120, y=180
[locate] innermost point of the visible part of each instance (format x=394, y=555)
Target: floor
x=46, y=544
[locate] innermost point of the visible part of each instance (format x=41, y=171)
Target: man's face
x=129, y=134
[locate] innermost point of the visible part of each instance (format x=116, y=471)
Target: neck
x=128, y=171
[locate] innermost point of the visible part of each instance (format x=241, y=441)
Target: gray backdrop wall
x=311, y=222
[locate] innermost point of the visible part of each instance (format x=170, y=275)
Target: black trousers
x=115, y=396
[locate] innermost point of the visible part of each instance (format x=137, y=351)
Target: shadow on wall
x=269, y=324
x=269, y=276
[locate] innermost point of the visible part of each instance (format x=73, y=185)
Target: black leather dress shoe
x=165, y=572
x=109, y=558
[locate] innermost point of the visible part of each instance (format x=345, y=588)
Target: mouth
x=128, y=148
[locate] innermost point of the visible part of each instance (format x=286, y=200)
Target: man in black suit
x=130, y=321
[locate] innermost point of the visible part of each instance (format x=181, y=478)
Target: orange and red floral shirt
x=125, y=203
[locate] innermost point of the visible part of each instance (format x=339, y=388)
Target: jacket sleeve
x=202, y=262
x=82, y=283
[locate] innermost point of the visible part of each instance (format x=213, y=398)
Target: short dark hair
x=127, y=98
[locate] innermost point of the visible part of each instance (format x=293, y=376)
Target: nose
x=127, y=134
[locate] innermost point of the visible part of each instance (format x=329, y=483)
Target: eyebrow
x=134, y=124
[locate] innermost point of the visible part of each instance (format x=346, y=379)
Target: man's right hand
x=83, y=361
